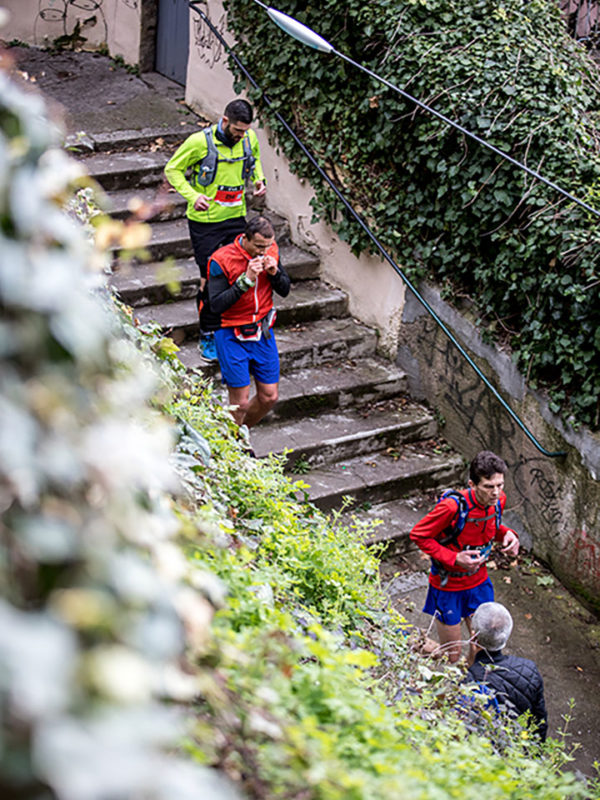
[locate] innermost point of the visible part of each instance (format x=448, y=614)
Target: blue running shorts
x=239, y=360
x=452, y=607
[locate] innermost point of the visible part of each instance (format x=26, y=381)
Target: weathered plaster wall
x=124, y=28
x=376, y=294
x=40, y=22
x=553, y=503
x=114, y=23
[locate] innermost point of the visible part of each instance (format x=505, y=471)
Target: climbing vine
x=524, y=257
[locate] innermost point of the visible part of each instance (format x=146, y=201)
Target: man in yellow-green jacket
x=210, y=170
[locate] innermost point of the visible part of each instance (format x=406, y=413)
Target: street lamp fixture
x=307, y=36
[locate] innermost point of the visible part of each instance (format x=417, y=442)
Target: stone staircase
x=343, y=419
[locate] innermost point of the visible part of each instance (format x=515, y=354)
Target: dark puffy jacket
x=516, y=682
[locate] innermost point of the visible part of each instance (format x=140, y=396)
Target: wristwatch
x=244, y=283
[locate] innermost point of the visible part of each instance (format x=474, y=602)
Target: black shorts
x=209, y=236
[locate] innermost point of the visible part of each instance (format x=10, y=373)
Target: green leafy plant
x=119, y=61
x=301, y=466
x=92, y=584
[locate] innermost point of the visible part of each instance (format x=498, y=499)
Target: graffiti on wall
x=582, y=558
x=62, y=20
x=470, y=400
x=209, y=48
x=487, y=426
x=533, y=480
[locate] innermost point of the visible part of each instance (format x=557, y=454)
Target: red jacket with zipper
x=236, y=306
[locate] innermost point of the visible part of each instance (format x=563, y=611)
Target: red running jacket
x=480, y=529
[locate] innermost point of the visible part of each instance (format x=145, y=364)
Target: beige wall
x=114, y=23
x=123, y=19
x=553, y=503
x=376, y=294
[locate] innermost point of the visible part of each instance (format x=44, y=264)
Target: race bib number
x=229, y=196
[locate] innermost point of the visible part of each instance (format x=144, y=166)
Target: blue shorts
x=238, y=360
x=452, y=607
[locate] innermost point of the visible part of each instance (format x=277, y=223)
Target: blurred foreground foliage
x=176, y=621
x=508, y=249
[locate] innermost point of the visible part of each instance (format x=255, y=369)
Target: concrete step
x=143, y=284
x=379, y=477
x=130, y=170
x=306, y=345
x=161, y=205
x=393, y=521
x=317, y=441
x=170, y=239
x=142, y=138
x=299, y=264
x=336, y=385
x=307, y=301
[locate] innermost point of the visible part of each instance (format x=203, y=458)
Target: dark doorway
x=172, y=39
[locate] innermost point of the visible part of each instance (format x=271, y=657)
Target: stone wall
x=554, y=503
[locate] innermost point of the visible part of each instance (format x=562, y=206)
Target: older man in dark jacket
x=515, y=681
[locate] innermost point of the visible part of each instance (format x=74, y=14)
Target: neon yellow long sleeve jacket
x=226, y=193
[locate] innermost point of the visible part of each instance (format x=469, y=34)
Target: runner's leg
x=262, y=402
x=450, y=637
x=238, y=396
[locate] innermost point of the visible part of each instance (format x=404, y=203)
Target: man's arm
x=280, y=280
x=190, y=152
x=221, y=294
x=258, y=176
x=426, y=532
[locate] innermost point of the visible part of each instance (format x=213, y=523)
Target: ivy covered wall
x=524, y=259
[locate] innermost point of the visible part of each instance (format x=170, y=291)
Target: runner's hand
x=469, y=560
x=510, y=543
x=201, y=203
x=270, y=265
x=255, y=267
x=260, y=188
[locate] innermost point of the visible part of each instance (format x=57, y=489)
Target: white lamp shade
x=299, y=31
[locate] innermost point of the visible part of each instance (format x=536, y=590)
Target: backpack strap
x=205, y=171
x=453, y=531
x=249, y=160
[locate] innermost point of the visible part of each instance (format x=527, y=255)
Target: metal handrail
x=550, y=454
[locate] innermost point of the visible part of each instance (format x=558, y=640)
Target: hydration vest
x=205, y=171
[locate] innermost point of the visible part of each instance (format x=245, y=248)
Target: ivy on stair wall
x=514, y=253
